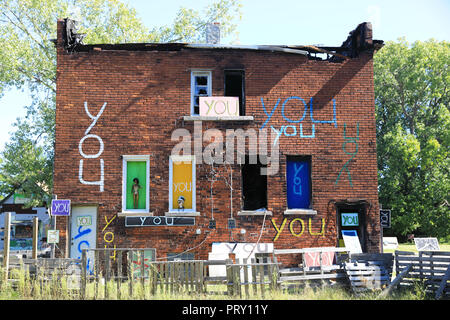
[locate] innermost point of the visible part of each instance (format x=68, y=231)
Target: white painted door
x=83, y=233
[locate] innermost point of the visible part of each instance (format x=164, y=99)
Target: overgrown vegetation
x=23, y=287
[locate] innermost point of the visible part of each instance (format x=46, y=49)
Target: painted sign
x=159, y=221
x=83, y=231
x=385, y=218
x=298, y=184
x=351, y=241
x=53, y=236
x=60, y=208
x=426, y=244
x=349, y=219
x=313, y=259
x=182, y=184
x=219, y=106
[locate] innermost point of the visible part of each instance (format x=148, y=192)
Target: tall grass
x=22, y=286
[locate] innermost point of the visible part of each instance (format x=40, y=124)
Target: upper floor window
x=200, y=87
x=235, y=87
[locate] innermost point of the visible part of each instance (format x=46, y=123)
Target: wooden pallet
x=365, y=276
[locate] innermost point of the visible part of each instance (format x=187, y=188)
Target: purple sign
x=60, y=207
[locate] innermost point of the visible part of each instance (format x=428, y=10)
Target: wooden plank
x=253, y=266
x=35, y=238
x=246, y=277
x=396, y=281
x=261, y=279
x=318, y=249
x=6, y=244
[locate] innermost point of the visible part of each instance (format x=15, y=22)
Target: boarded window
x=182, y=184
x=298, y=182
x=254, y=186
x=235, y=87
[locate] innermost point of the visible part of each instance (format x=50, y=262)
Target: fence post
x=261, y=278
x=83, y=274
x=119, y=274
x=35, y=237
x=229, y=276
x=255, y=287
x=246, y=277
x=130, y=273
x=6, y=244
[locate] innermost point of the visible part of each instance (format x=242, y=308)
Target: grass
x=23, y=287
x=412, y=247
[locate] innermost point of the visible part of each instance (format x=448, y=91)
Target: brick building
x=141, y=118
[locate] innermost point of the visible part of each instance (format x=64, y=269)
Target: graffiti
x=297, y=228
x=352, y=140
x=108, y=237
x=291, y=130
x=88, y=135
x=219, y=106
x=84, y=244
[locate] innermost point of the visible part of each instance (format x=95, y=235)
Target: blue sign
x=298, y=181
x=60, y=208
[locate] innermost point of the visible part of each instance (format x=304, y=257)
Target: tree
x=28, y=59
x=412, y=99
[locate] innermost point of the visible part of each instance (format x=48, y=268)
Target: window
x=136, y=183
x=235, y=87
x=200, y=87
x=182, y=184
x=298, y=182
x=254, y=186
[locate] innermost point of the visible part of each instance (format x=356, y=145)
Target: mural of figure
x=181, y=203
x=135, y=191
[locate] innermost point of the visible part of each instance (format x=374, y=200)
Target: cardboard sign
x=60, y=208
x=312, y=259
x=427, y=244
x=53, y=236
x=351, y=241
x=390, y=243
x=219, y=106
x=349, y=219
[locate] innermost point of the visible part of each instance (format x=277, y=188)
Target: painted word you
x=219, y=106
x=297, y=228
x=290, y=129
x=88, y=135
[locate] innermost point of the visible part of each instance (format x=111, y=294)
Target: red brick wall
x=147, y=93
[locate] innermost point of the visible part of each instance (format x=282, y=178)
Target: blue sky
x=289, y=22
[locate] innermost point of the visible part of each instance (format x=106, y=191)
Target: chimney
x=213, y=33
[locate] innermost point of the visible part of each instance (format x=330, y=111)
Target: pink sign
x=312, y=259
x=219, y=106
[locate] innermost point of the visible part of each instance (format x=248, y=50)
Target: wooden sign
x=385, y=218
x=159, y=221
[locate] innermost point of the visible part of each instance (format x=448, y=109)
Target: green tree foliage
x=28, y=60
x=412, y=97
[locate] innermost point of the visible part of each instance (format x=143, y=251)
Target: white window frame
x=199, y=72
x=192, y=211
x=125, y=160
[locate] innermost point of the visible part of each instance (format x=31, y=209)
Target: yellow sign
x=182, y=185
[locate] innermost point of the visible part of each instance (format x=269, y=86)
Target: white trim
x=125, y=159
x=300, y=211
x=190, y=159
x=215, y=118
x=201, y=72
x=254, y=213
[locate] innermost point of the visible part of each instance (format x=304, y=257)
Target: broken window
x=298, y=182
x=135, y=183
x=254, y=186
x=200, y=87
x=235, y=87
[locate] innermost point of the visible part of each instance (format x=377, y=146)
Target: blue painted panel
x=298, y=181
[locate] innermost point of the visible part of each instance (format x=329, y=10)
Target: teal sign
x=349, y=219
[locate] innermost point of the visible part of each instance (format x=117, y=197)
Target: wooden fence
x=172, y=277
x=428, y=268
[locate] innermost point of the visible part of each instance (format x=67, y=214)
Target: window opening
x=200, y=87
x=254, y=186
x=298, y=182
x=235, y=87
